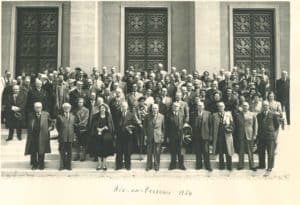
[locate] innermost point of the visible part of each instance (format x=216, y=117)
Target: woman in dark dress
x=102, y=132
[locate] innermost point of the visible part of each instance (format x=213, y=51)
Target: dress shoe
x=269, y=169
x=156, y=168
x=41, y=167
x=128, y=168
x=182, y=167
x=209, y=169
x=221, y=167
x=260, y=167
x=253, y=169
x=34, y=167
x=147, y=169
x=172, y=167
x=70, y=169
x=19, y=138
x=240, y=168
x=98, y=168
x=8, y=139
x=104, y=168
x=229, y=168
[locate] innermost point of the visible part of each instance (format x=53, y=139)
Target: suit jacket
x=133, y=99
x=202, y=126
x=246, y=125
x=10, y=114
x=184, y=109
x=37, y=96
x=267, y=125
x=65, y=128
x=82, y=116
x=174, y=127
x=61, y=94
x=44, y=138
x=283, y=90
x=154, y=128
x=74, y=95
x=123, y=125
x=228, y=122
x=223, y=85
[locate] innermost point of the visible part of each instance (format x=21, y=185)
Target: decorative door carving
x=146, y=32
x=253, y=33
x=37, y=38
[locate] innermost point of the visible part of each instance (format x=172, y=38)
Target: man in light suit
x=268, y=125
x=154, y=127
x=222, y=136
x=66, y=136
x=202, y=136
x=246, y=129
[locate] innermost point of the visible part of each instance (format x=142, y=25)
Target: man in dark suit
x=283, y=93
x=246, y=129
x=14, y=109
x=66, y=136
x=202, y=136
x=124, y=123
x=132, y=98
x=154, y=127
x=174, y=125
x=268, y=125
x=48, y=86
x=38, y=139
x=226, y=83
x=75, y=94
x=37, y=94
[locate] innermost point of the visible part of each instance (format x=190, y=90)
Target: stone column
x=83, y=35
x=207, y=36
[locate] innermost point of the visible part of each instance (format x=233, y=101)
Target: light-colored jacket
x=154, y=128
x=246, y=125
x=228, y=122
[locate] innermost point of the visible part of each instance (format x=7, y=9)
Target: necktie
x=67, y=115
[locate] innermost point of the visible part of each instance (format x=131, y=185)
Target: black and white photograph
x=149, y=100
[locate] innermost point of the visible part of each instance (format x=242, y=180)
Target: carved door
x=37, y=38
x=253, y=33
x=146, y=33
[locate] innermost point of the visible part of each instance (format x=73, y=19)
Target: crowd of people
x=106, y=113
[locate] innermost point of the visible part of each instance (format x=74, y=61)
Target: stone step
x=135, y=164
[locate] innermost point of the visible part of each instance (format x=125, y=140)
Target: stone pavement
x=14, y=163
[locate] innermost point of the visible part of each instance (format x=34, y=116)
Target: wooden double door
x=146, y=38
x=254, y=46
x=37, y=40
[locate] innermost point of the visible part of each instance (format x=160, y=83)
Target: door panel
x=253, y=32
x=37, y=39
x=145, y=38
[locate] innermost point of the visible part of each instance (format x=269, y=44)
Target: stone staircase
x=14, y=163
